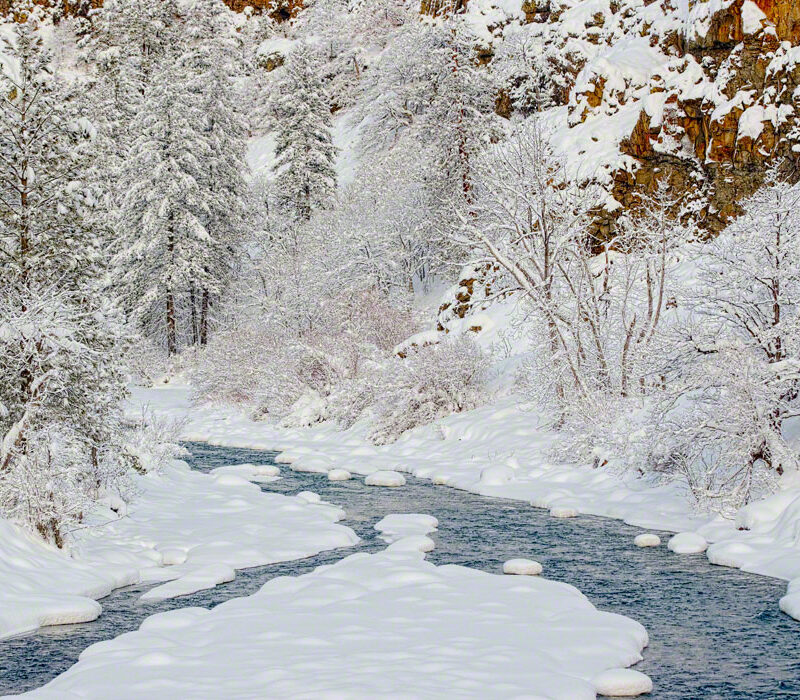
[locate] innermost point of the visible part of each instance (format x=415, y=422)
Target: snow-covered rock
x=790, y=603
x=622, y=683
x=563, y=512
x=522, y=567
x=647, y=539
x=398, y=525
x=339, y=475
x=687, y=543
x=385, y=478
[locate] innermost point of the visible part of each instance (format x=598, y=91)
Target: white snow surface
x=382, y=625
x=622, y=683
x=339, y=475
x=259, y=473
x=398, y=525
x=189, y=529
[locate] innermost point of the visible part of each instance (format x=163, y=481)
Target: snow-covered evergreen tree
x=305, y=152
x=165, y=243
x=211, y=62
x=60, y=382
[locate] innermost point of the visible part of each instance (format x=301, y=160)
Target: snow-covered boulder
x=522, y=567
x=385, y=478
x=622, y=683
x=399, y=525
x=339, y=475
x=688, y=543
x=563, y=512
x=647, y=539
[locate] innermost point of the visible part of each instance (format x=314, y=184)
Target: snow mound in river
x=522, y=567
x=368, y=626
x=385, y=478
x=398, y=525
x=339, y=475
x=687, y=543
x=647, y=539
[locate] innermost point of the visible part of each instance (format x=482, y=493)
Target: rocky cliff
x=704, y=93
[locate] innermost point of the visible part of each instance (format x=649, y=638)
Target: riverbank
x=183, y=529
x=500, y=451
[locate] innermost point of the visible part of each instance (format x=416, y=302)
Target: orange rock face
x=785, y=15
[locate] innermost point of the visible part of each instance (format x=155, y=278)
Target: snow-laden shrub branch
x=432, y=383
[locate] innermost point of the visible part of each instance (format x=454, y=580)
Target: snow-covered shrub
x=436, y=381
x=147, y=363
x=151, y=441
x=729, y=366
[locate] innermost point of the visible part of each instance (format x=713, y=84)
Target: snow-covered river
x=714, y=632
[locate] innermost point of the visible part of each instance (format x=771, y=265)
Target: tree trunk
x=172, y=335
x=204, y=309
x=193, y=306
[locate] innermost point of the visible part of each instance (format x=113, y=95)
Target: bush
x=437, y=380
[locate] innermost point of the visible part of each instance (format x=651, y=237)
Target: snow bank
x=40, y=585
x=369, y=626
x=385, y=478
x=522, y=567
x=220, y=522
x=197, y=580
x=339, y=475
x=186, y=528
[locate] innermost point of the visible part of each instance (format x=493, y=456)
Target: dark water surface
x=714, y=632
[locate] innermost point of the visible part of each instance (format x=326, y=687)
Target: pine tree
x=60, y=380
x=305, y=151
x=211, y=61
x=164, y=214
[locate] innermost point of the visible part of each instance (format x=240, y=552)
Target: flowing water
x=714, y=632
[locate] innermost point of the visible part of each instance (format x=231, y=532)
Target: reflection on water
x=714, y=632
